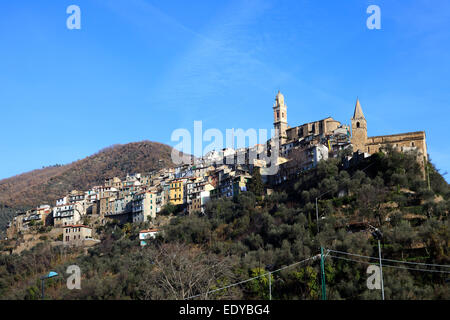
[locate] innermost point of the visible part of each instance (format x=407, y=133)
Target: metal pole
x=270, y=286
x=317, y=217
x=322, y=269
x=381, y=270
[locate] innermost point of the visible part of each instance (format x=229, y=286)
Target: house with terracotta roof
x=146, y=235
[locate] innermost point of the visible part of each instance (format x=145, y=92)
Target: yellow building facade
x=176, y=192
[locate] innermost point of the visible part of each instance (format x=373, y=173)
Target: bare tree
x=370, y=201
x=183, y=271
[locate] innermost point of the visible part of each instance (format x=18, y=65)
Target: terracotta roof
x=150, y=230
x=77, y=226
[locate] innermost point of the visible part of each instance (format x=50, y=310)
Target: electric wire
x=247, y=280
x=391, y=266
x=390, y=260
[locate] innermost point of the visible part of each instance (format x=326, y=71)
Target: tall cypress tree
x=256, y=184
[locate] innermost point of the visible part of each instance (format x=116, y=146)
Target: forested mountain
x=245, y=237
x=45, y=185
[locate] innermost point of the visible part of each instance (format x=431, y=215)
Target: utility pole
x=270, y=286
x=381, y=270
x=378, y=236
x=322, y=268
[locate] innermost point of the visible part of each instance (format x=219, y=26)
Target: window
x=358, y=124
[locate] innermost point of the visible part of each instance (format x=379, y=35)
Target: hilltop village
x=141, y=197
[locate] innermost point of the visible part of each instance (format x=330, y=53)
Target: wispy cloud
x=224, y=56
x=143, y=14
x=227, y=57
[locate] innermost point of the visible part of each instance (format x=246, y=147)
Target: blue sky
x=139, y=69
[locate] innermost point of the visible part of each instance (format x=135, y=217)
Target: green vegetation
x=237, y=239
x=6, y=215
x=255, y=184
x=170, y=209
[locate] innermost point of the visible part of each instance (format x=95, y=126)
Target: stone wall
x=402, y=142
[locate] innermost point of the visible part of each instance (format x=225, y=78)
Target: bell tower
x=280, y=117
x=359, y=129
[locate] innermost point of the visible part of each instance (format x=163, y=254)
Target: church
x=401, y=141
x=330, y=134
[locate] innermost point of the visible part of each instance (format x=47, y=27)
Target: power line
x=391, y=266
x=331, y=256
x=247, y=280
x=289, y=266
x=390, y=260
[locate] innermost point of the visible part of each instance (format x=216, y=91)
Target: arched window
x=357, y=124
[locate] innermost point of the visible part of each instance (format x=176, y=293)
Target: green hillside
x=245, y=237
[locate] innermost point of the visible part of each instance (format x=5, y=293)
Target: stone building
x=402, y=141
x=322, y=127
x=298, y=143
x=288, y=134
x=198, y=195
x=75, y=235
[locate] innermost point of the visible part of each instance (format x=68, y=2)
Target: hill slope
x=240, y=238
x=46, y=185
